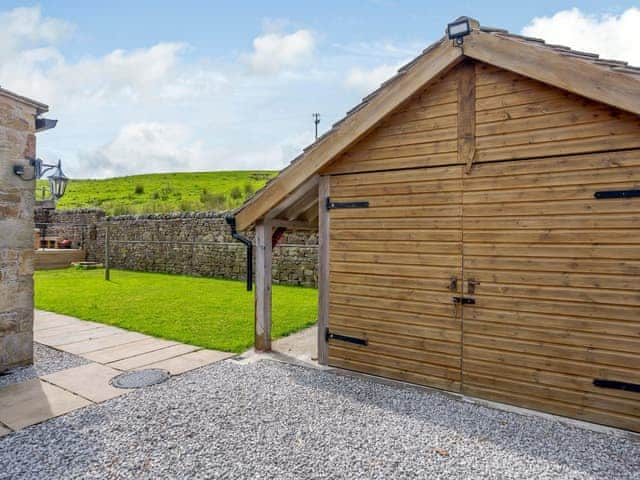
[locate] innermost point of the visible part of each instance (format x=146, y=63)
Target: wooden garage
x=479, y=221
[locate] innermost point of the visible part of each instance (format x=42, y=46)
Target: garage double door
x=517, y=282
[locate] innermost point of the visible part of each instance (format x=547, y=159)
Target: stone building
x=18, y=125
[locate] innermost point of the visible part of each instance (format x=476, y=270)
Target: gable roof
x=611, y=82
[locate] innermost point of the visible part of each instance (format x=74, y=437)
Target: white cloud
x=155, y=147
x=159, y=108
x=274, y=52
x=611, y=36
x=382, y=49
x=147, y=73
x=367, y=80
x=32, y=63
x=26, y=26
x=145, y=148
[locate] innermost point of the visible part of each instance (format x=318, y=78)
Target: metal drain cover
x=140, y=378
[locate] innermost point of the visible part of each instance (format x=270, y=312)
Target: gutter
x=231, y=220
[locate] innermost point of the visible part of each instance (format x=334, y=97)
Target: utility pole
x=316, y=121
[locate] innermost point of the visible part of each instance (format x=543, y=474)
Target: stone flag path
x=110, y=350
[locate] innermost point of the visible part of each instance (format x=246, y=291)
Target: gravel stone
x=45, y=360
x=272, y=420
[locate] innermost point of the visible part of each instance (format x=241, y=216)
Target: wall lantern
x=459, y=29
x=57, y=180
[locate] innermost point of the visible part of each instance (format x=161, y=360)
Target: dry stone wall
x=198, y=244
x=17, y=142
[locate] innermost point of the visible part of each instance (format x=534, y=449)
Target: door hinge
x=344, y=338
x=464, y=300
x=331, y=205
x=629, y=387
x=617, y=194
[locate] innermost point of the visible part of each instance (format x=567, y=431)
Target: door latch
x=464, y=300
x=471, y=286
x=453, y=284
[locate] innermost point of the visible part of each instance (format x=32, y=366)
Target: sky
x=158, y=86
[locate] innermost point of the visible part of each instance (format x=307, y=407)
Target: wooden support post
x=263, y=287
x=323, y=269
x=467, y=114
x=107, y=273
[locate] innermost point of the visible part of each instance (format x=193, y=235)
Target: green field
x=164, y=192
x=206, y=312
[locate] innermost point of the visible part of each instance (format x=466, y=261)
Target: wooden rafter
x=293, y=224
x=308, y=186
x=301, y=206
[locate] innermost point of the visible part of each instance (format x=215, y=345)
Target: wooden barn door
x=395, y=266
x=555, y=274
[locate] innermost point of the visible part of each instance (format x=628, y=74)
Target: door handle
x=453, y=284
x=464, y=300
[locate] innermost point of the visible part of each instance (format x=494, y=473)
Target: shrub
x=120, y=209
x=236, y=193
x=139, y=190
x=249, y=190
x=189, y=206
x=165, y=192
x=213, y=201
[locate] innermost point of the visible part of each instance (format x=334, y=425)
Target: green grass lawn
x=163, y=192
x=207, y=312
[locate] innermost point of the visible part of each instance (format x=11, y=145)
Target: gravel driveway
x=271, y=420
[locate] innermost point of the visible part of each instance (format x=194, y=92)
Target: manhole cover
x=140, y=378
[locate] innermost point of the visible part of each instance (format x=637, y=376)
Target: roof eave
x=39, y=107
x=541, y=62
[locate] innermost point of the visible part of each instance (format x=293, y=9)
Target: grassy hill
x=164, y=192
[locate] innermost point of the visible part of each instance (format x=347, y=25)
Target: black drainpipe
x=231, y=220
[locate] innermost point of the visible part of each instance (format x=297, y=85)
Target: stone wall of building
x=17, y=142
x=198, y=244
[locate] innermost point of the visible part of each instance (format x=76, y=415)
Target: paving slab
x=28, y=403
x=90, y=381
x=128, y=350
x=4, y=431
x=191, y=361
x=74, y=337
x=153, y=357
x=65, y=329
x=47, y=320
x=46, y=323
x=93, y=344
x=302, y=345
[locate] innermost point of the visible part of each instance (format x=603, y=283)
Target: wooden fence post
x=263, y=287
x=323, y=270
